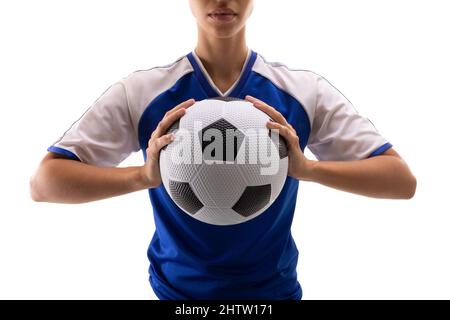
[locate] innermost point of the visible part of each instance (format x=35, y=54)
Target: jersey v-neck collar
x=208, y=85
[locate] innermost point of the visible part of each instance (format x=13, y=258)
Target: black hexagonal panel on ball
x=253, y=199
x=222, y=125
x=184, y=196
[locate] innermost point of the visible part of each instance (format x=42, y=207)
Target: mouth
x=222, y=15
x=223, y=11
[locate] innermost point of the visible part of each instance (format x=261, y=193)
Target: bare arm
x=385, y=176
x=63, y=180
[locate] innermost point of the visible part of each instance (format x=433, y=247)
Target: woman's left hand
x=299, y=165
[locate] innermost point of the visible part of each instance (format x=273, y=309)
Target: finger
x=271, y=111
x=254, y=99
x=250, y=98
x=285, y=132
x=166, y=122
x=291, y=138
x=185, y=104
x=160, y=143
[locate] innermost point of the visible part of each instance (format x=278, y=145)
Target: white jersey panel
x=107, y=133
x=338, y=131
x=103, y=136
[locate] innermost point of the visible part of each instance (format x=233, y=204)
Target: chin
x=223, y=33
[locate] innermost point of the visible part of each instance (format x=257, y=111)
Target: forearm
x=68, y=181
x=385, y=177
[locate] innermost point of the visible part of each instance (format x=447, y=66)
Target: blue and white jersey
x=190, y=259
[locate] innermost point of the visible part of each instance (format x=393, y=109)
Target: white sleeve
x=104, y=135
x=339, y=132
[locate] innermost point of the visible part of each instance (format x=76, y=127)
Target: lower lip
x=222, y=17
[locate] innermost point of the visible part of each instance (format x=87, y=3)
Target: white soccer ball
x=225, y=166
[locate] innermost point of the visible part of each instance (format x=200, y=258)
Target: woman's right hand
x=150, y=171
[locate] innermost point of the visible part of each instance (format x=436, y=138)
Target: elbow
x=35, y=189
x=411, y=188
x=34, y=192
x=409, y=182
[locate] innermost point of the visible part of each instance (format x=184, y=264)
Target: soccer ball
x=225, y=166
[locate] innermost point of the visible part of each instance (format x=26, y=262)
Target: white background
x=390, y=58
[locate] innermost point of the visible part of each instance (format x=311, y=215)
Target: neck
x=222, y=58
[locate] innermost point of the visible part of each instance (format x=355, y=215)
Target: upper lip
x=222, y=11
